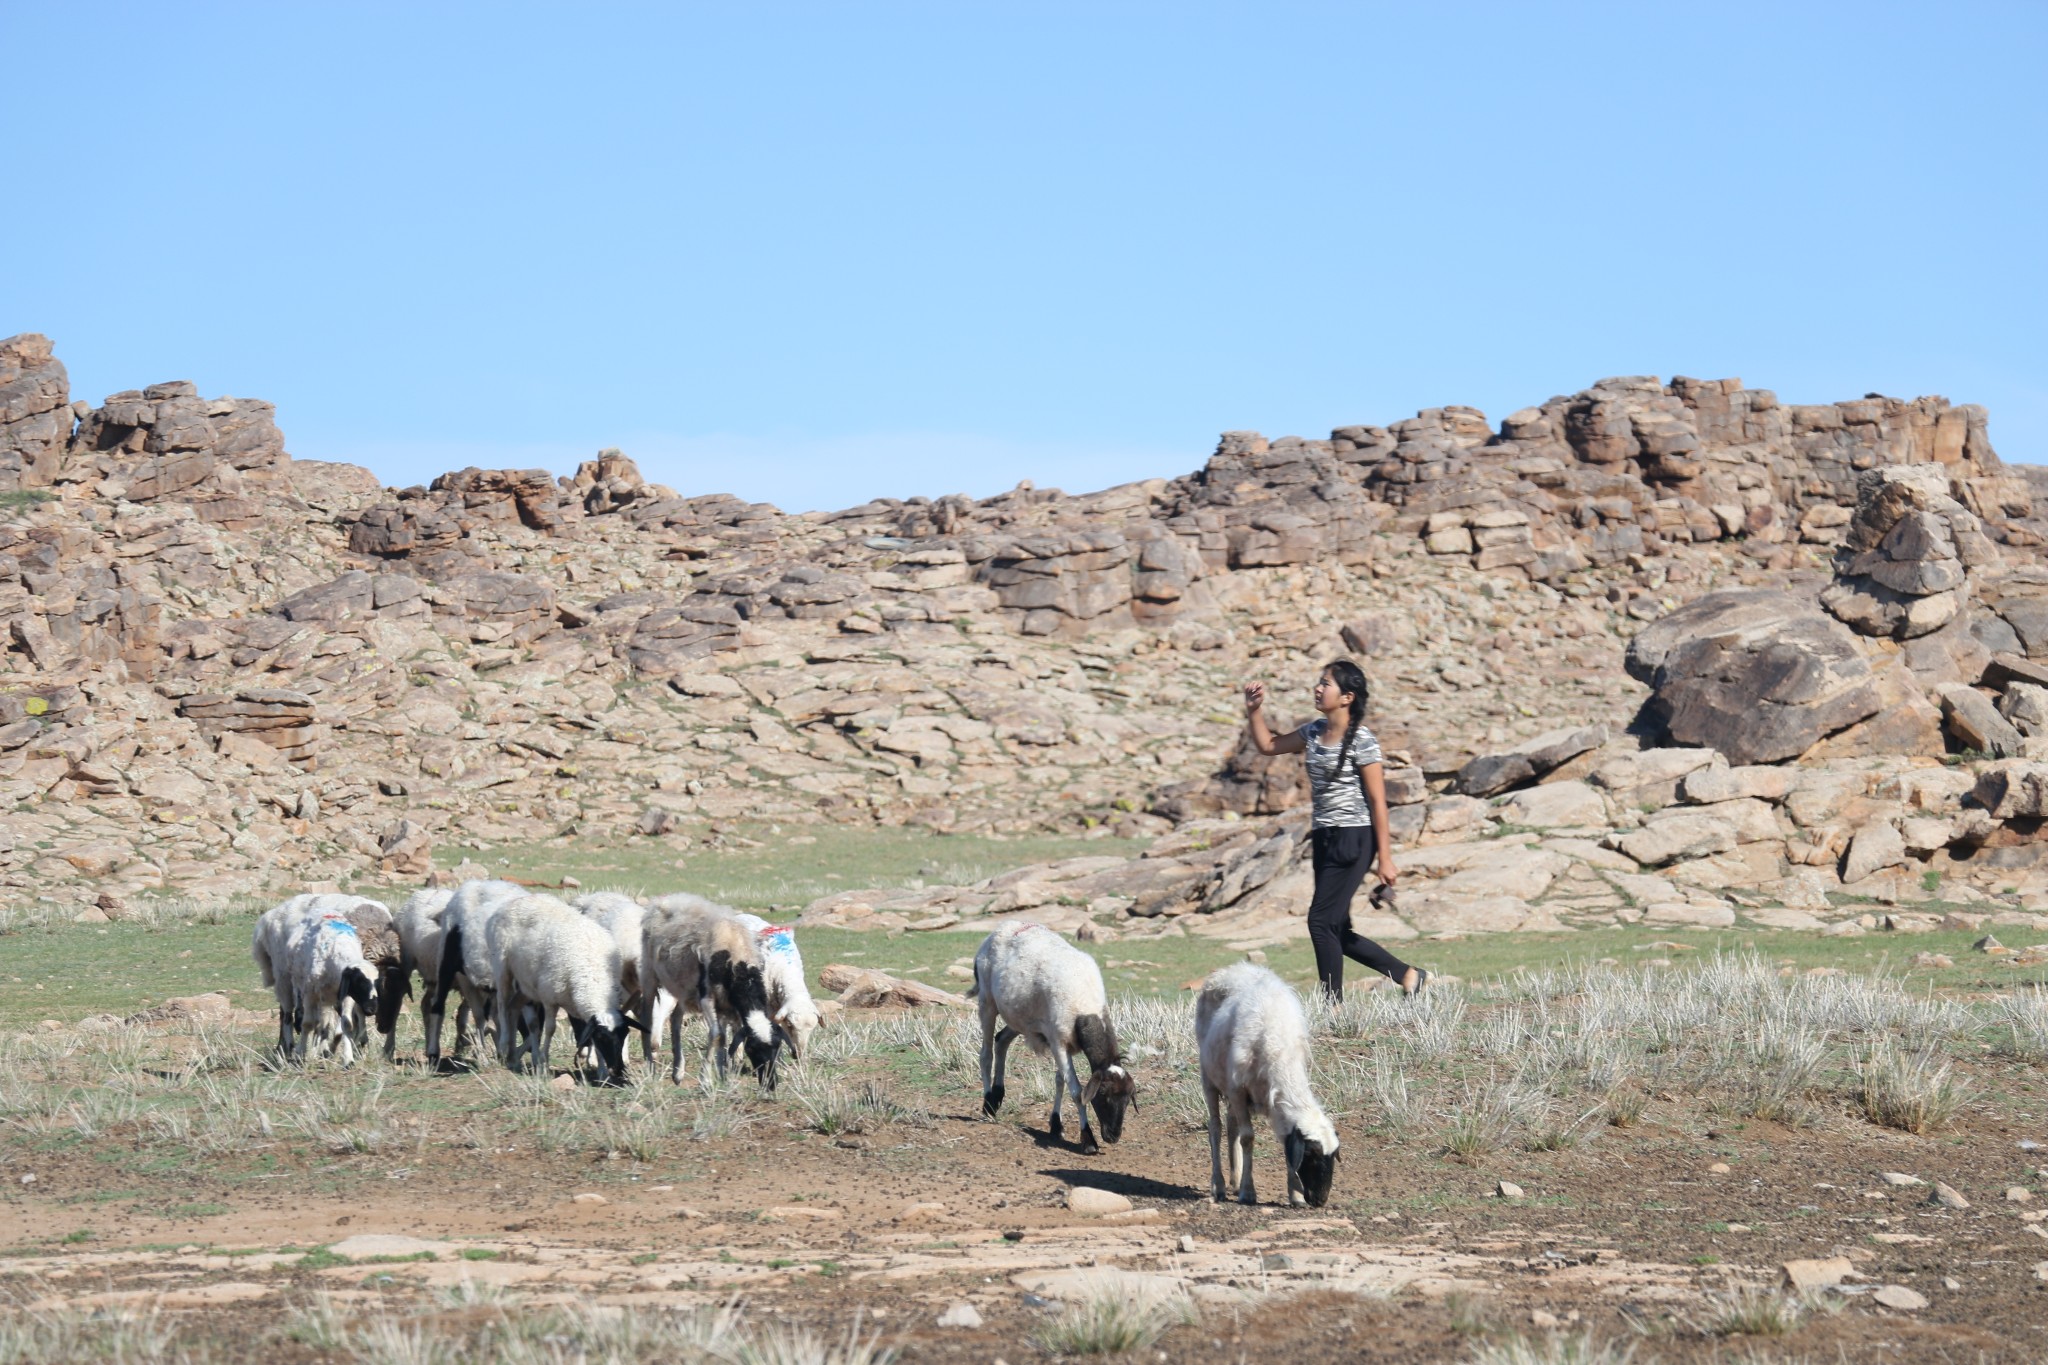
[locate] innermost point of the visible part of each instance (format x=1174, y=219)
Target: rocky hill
x=228, y=670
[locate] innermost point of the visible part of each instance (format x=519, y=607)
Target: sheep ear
x=1088, y=1091
x=631, y=1022
x=1296, y=1147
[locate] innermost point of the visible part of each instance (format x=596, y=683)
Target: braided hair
x=1350, y=678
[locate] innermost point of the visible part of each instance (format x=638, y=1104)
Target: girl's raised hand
x=1254, y=697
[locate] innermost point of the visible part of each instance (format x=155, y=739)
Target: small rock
x=2018, y=1194
x=961, y=1314
x=1947, y=1197
x=1931, y=960
x=588, y=1198
x=1276, y=1260
x=29, y=1179
x=1901, y=1179
x=1256, y=955
x=1988, y=944
x=2041, y=1271
x=922, y=1208
x=1899, y=1297
x=563, y=1082
x=1719, y=1168
x=687, y=1212
x=571, y=882
x=1087, y=1199
x=1187, y=1245
x=1951, y=1284
x=1507, y=1189
x=1539, y=1317
x=1817, y=1274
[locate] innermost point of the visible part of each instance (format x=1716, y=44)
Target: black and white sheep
x=1050, y=993
x=1253, y=1037
x=698, y=951
x=466, y=964
x=418, y=923
x=271, y=945
x=549, y=958
x=790, y=1007
x=329, y=972
x=623, y=918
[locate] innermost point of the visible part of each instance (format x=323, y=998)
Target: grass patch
x=481, y=1254
x=1111, y=1318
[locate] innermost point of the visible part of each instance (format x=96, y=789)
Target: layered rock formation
x=228, y=669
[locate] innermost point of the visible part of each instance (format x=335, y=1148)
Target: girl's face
x=1328, y=698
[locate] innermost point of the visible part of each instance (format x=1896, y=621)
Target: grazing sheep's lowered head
x=1314, y=1162
x=748, y=992
x=606, y=1037
x=1110, y=1090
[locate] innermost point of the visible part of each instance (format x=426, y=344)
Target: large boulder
x=1759, y=675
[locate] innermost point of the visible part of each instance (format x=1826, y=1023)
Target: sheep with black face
x=699, y=952
x=329, y=973
x=1046, y=991
x=551, y=959
x=1253, y=1038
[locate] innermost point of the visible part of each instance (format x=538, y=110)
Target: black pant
x=1341, y=856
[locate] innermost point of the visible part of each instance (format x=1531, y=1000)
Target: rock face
x=1756, y=674
x=1907, y=555
x=227, y=671
x=35, y=412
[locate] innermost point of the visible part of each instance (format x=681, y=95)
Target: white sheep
x=551, y=958
x=790, y=1006
x=271, y=945
x=697, y=951
x=418, y=923
x=328, y=969
x=466, y=964
x=1050, y=993
x=623, y=917
x=1253, y=1038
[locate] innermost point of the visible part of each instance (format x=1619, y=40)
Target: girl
x=1350, y=831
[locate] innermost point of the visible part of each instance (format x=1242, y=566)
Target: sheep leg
x=660, y=1005
x=675, y=1046
x=992, y=1094
x=1089, y=1146
x=543, y=1045
x=1241, y=1119
x=1214, y=1097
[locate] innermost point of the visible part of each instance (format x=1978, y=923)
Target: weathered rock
x=1817, y=1273
x=35, y=412
x=1974, y=720
x=2013, y=790
x=1531, y=759
x=861, y=988
x=1755, y=674
x=1877, y=846
x=1094, y=1202
x=1556, y=805
x=1686, y=835
x=407, y=849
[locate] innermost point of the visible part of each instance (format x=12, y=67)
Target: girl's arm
x=1376, y=797
x=1266, y=741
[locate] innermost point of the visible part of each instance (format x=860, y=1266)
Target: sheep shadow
x=1123, y=1183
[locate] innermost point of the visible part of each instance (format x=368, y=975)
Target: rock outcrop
x=226, y=669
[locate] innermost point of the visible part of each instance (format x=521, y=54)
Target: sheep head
x=359, y=986
x=606, y=1038
x=796, y=1027
x=746, y=994
x=1109, y=1093
x=1313, y=1165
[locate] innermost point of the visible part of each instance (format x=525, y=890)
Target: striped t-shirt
x=1339, y=797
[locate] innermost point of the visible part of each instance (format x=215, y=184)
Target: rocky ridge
x=229, y=669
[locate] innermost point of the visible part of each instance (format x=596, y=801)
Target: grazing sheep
x=1050, y=993
x=551, y=958
x=622, y=917
x=697, y=951
x=270, y=946
x=328, y=972
x=378, y=933
x=1253, y=1037
x=466, y=964
x=418, y=923
x=790, y=1006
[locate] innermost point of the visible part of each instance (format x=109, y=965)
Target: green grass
x=18, y=498
x=480, y=1254
x=782, y=874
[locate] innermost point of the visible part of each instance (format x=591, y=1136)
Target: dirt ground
x=1631, y=1236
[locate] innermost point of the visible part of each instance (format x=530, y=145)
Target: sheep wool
x=1252, y=1034
x=553, y=958
x=789, y=996
x=1049, y=993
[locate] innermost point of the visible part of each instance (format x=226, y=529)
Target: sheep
x=466, y=964
x=278, y=927
x=1050, y=993
x=328, y=971
x=790, y=1007
x=378, y=933
x=418, y=924
x=697, y=951
x=623, y=917
x=1253, y=1039
x=550, y=957
x=270, y=945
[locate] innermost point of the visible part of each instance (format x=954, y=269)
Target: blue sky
x=812, y=254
